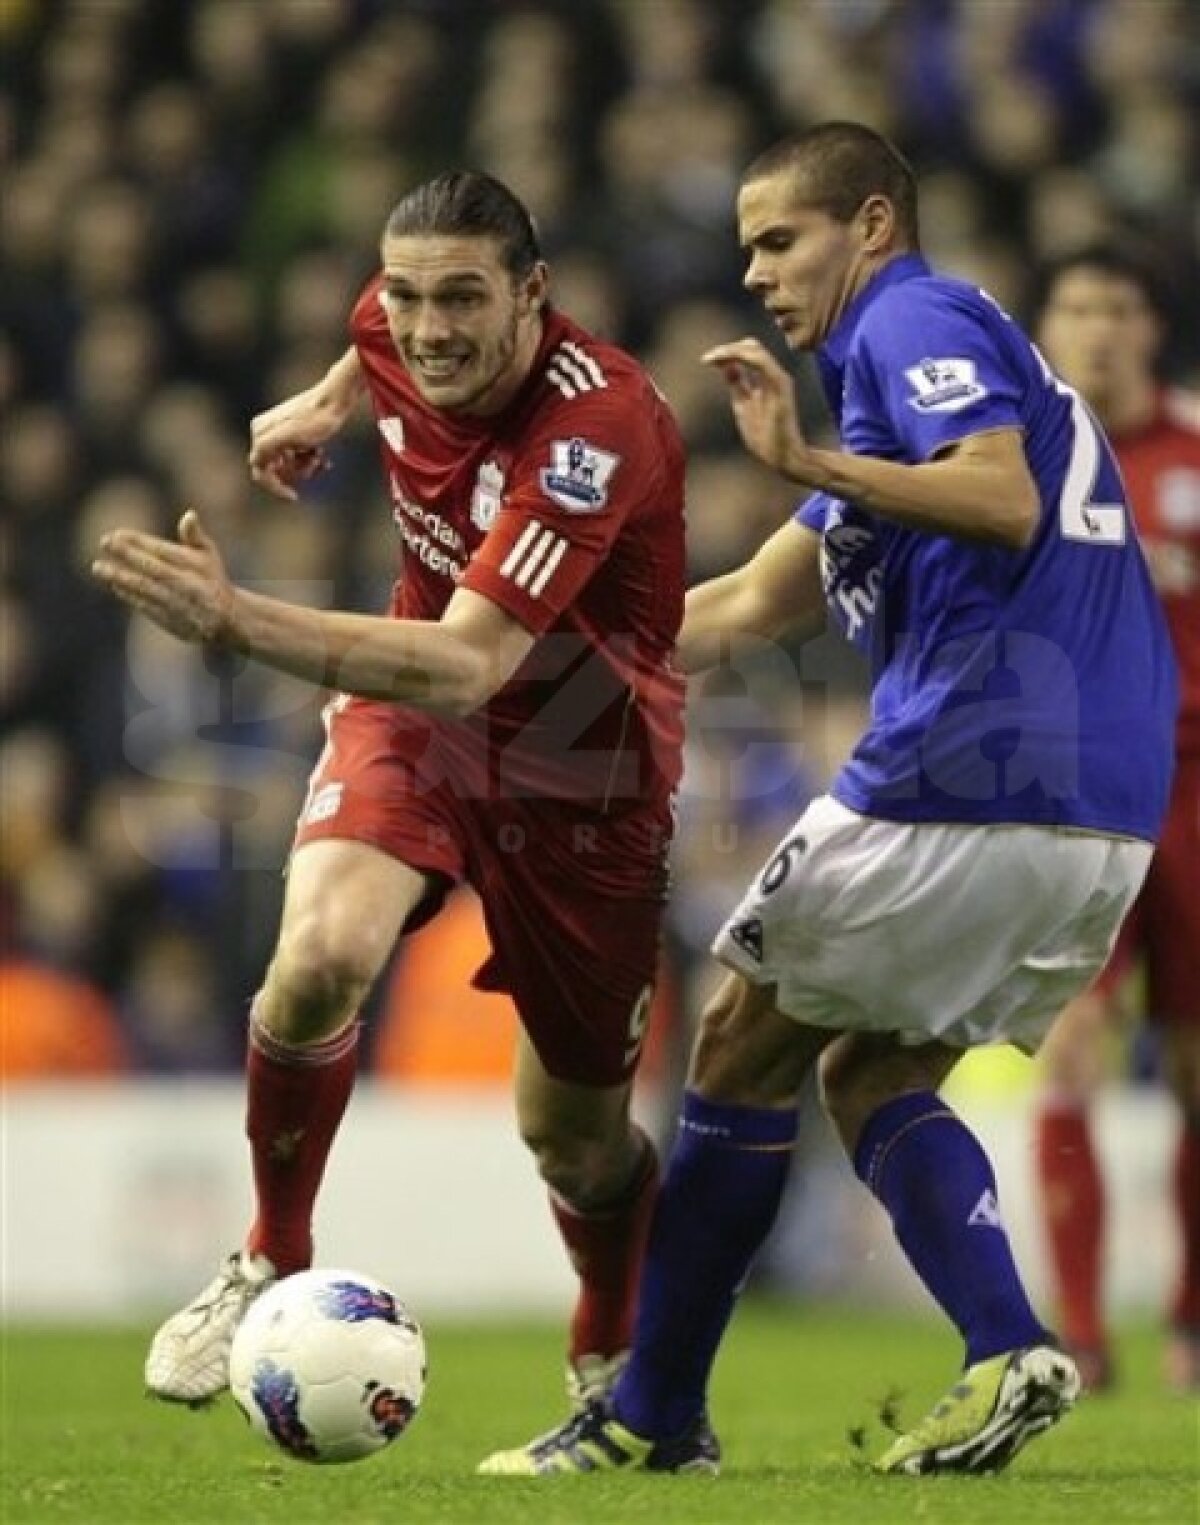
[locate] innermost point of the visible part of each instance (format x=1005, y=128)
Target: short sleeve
x=584, y=469
x=813, y=511
x=935, y=359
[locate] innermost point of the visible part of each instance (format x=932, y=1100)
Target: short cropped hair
x=841, y=164
x=470, y=204
x=1107, y=258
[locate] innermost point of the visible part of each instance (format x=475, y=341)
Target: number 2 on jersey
x=1079, y=516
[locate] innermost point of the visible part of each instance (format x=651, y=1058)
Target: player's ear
x=876, y=219
x=535, y=287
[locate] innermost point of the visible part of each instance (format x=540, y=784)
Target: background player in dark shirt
x=1101, y=327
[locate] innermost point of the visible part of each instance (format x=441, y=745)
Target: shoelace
x=230, y=1280
x=579, y=1427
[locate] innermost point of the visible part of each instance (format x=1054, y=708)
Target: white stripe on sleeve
x=549, y=567
x=528, y=535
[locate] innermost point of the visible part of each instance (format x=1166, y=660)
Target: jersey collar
x=832, y=355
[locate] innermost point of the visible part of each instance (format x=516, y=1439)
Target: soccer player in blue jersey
x=970, y=867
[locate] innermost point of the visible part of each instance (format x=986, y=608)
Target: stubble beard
x=501, y=355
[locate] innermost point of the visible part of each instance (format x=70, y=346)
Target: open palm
x=181, y=584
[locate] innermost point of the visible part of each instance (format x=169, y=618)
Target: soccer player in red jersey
x=1101, y=326
x=515, y=722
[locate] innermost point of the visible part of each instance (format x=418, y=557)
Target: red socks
x=1185, y=1311
x=295, y=1101
x=1072, y=1200
x=606, y=1250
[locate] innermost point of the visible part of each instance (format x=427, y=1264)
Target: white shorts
x=966, y=934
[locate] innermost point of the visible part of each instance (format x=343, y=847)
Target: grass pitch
x=78, y=1442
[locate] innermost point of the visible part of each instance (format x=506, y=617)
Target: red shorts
x=1163, y=929
x=572, y=897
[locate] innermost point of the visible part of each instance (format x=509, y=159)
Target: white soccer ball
x=328, y=1365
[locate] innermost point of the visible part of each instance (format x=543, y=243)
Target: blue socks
x=930, y=1172
x=719, y=1198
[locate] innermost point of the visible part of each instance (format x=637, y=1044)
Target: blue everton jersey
x=1032, y=685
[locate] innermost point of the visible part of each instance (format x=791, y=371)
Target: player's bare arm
x=287, y=441
x=979, y=489
x=450, y=666
x=777, y=592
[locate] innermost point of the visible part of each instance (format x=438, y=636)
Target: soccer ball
x=328, y=1365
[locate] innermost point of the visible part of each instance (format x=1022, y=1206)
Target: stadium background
x=192, y=194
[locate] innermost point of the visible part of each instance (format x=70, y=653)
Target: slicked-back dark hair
x=468, y=204
x=1107, y=258
x=841, y=164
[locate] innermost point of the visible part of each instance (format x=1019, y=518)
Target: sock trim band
x=308, y=1055
x=748, y=1128
x=872, y=1171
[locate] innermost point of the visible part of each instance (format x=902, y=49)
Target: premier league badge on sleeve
x=578, y=477
x=944, y=386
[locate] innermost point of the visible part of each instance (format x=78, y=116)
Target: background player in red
x=514, y=722
x=1101, y=327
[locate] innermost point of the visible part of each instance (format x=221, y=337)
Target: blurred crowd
x=193, y=193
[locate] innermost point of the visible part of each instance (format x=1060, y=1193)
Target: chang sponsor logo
x=851, y=571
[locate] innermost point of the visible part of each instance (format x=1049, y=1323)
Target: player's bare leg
x=343, y=910
x=1181, y=1058
x=602, y=1174
x=1070, y=1180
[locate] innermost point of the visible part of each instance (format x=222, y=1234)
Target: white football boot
x=188, y=1360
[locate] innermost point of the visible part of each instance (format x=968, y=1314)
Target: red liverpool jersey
x=1161, y=466
x=566, y=509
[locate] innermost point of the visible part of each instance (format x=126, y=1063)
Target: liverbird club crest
x=485, y=501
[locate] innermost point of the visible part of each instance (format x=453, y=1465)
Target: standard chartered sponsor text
x=427, y=536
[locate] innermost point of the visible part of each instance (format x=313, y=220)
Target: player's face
x=464, y=326
x=1099, y=333
x=804, y=264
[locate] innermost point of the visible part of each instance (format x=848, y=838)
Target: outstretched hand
x=764, y=403
x=181, y=585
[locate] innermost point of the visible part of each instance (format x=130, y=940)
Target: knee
x=587, y=1161
x=586, y=1169
x=313, y=987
